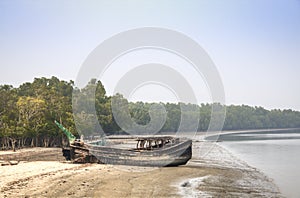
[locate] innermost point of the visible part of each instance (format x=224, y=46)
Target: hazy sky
x=254, y=44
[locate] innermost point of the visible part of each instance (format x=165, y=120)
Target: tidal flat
x=217, y=173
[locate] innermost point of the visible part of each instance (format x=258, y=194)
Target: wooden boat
x=149, y=151
x=154, y=151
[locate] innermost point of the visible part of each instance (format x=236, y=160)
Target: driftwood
x=8, y=163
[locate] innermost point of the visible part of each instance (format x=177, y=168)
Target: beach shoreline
x=216, y=173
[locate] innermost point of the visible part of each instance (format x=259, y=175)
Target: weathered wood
x=8, y=163
x=153, y=151
x=13, y=162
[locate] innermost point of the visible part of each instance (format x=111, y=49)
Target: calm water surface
x=276, y=153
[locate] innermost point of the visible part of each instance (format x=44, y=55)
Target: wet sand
x=215, y=174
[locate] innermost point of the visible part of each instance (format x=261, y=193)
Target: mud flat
x=33, y=154
x=216, y=173
x=230, y=176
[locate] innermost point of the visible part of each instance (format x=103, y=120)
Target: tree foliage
x=27, y=113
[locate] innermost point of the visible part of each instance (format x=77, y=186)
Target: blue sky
x=254, y=44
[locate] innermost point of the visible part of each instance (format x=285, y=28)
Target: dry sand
x=217, y=174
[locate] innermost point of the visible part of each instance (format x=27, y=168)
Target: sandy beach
x=42, y=172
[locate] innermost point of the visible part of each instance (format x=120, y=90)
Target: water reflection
x=276, y=153
x=259, y=135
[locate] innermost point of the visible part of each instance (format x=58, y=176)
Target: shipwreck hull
x=170, y=155
x=149, y=151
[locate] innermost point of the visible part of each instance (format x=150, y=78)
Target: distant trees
x=246, y=117
x=237, y=117
x=27, y=113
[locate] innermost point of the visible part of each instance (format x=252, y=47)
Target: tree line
x=27, y=113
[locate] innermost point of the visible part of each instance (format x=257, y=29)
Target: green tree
x=32, y=116
x=8, y=117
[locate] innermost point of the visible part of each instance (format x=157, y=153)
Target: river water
x=275, y=153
